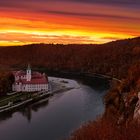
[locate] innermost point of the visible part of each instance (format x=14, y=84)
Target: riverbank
x=121, y=117
x=56, y=85
x=68, y=110
x=76, y=75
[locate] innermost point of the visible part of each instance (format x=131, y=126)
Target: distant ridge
x=113, y=58
x=128, y=41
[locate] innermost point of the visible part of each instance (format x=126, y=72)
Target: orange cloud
x=67, y=22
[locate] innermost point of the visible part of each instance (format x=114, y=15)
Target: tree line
x=113, y=59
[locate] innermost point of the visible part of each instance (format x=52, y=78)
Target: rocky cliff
x=137, y=110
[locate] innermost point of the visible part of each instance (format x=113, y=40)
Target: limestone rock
x=137, y=110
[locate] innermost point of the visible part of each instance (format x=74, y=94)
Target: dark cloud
x=122, y=3
x=39, y=6
x=25, y=2
x=91, y=15
x=109, y=1
x=8, y=3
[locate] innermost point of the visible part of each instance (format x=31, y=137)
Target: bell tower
x=28, y=73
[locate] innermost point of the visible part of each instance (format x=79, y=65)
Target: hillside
x=119, y=59
x=113, y=58
x=121, y=118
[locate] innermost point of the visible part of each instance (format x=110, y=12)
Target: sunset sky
x=68, y=21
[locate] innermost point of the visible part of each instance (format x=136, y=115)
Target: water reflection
x=54, y=118
x=26, y=111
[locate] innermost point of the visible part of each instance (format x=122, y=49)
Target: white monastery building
x=28, y=81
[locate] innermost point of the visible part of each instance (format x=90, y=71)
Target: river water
x=56, y=118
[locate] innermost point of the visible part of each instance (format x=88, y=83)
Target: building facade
x=28, y=81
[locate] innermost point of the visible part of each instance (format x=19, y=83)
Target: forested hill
x=122, y=106
x=120, y=59
x=113, y=58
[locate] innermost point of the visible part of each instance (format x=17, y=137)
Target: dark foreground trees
x=104, y=129
x=6, y=80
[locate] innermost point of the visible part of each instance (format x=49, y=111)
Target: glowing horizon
x=67, y=22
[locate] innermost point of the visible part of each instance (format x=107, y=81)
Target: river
x=57, y=117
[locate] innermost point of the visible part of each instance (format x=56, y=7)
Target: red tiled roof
x=37, y=78
x=35, y=81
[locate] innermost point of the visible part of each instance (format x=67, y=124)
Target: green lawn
x=16, y=97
